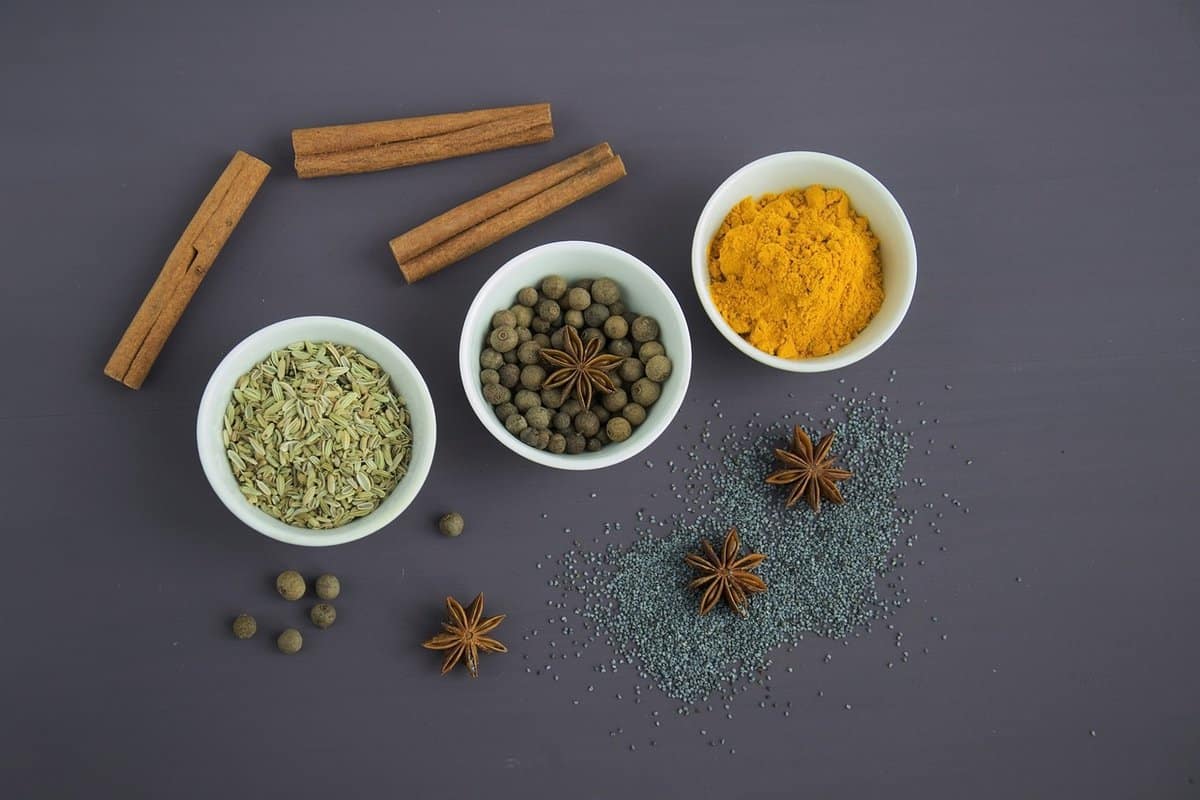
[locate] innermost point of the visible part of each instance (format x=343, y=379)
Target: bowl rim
x=216, y=394
x=839, y=358
x=656, y=424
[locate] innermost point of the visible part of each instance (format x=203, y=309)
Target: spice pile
x=570, y=368
x=797, y=274
x=819, y=568
x=316, y=436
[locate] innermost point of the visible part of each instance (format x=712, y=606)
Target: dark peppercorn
x=489, y=376
x=644, y=329
x=594, y=444
x=552, y=398
x=538, y=417
x=587, y=334
x=527, y=353
x=635, y=413
x=540, y=325
x=558, y=443
x=561, y=421
x=576, y=443
x=505, y=410
x=573, y=318
x=515, y=424
x=621, y=347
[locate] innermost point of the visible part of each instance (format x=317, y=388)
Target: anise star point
x=727, y=575
x=582, y=368
x=810, y=471
x=464, y=635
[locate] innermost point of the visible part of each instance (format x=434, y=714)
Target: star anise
x=726, y=575
x=581, y=367
x=464, y=635
x=810, y=472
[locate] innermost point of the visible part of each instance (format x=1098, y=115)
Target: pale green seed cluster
x=316, y=436
x=821, y=569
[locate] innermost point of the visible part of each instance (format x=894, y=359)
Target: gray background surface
x=1046, y=154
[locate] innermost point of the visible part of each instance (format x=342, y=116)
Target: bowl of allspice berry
x=575, y=355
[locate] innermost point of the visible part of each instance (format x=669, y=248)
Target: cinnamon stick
x=185, y=268
x=372, y=146
x=487, y=219
x=408, y=246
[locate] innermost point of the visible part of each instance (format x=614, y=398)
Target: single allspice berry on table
x=323, y=615
x=451, y=524
x=328, y=587
x=290, y=585
x=244, y=626
x=290, y=642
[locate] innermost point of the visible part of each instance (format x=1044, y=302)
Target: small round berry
x=631, y=369
x=616, y=327
x=538, y=417
x=504, y=411
x=328, y=587
x=620, y=347
x=558, y=443
x=489, y=376
x=587, y=423
x=515, y=424
x=636, y=414
x=579, y=299
x=451, y=524
x=522, y=315
x=645, y=391
x=606, y=291
x=290, y=642
x=526, y=399
x=615, y=401
x=644, y=329
x=490, y=359
x=496, y=394
x=504, y=319
x=244, y=626
x=649, y=350
x=595, y=315
x=290, y=585
x=549, y=311
x=322, y=615
x=510, y=376
x=528, y=352
x=618, y=429
x=658, y=368
x=504, y=339
x=554, y=286
x=527, y=297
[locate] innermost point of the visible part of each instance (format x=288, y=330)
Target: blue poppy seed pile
x=820, y=568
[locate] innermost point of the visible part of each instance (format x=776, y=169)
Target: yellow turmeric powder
x=797, y=274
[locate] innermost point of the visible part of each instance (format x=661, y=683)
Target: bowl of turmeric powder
x=804, y=261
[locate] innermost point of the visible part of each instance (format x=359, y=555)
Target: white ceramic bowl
x=644, y=292
x=784, y=171
x=257, y=346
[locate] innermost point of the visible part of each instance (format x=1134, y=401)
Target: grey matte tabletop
x=1047, y=157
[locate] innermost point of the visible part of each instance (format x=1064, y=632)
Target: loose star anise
x=581, y=367
x=811, y=473
x=726, y=576
x=464, y=635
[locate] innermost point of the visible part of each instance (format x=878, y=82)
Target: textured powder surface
x=820, y=569
x=798, y=274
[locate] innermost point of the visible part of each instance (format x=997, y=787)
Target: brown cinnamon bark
x=372, y=146
x=479, y=235
x=185, y=268
x=408, y=246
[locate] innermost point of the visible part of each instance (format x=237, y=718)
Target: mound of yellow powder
x=797, y=274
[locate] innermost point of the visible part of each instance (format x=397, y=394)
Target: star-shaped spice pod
x=726, y=575
x=810, y=472
x=581, y=367
x=464, y=635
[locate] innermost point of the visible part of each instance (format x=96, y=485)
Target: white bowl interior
x=782, y=172
x=642, y=289
x=406, y=380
